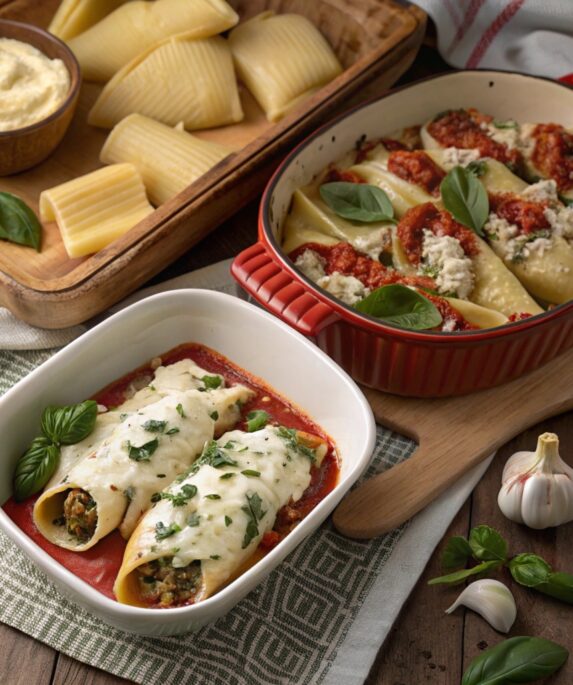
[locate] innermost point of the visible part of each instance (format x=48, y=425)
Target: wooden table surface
x=425, y=646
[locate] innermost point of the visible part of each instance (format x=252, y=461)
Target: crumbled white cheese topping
x=374, y=243
x=311, y=264
x=516, y=246
x=449, y=325
x=443, y=258
x=561, y=220
x=506, y=136
x=542, y=191
x=453, y=156
x=526, y=141
x=346, y=288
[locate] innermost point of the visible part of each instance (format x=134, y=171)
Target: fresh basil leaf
x=35, y=468
x=18, y=223
x=534, y=572
x=256, y=420
x=70, y=424
x=517, y=660
x=143, y=452
x=465, y=198
x=478, y=167
x=456, y=553
x=357, y=201
x=460, y=576
x=487, y=544
x=396, y=304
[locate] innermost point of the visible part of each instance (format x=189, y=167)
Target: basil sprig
x=465, y=198
x=396, y=304
x=18, y=223
x=486, y=546
x=60, y=426
x=517, y=660
x=358, y=201
x=534, y=572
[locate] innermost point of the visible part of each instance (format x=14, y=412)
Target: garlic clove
x=492, y=600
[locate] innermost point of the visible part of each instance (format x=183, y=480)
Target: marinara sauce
x=553, y=154
x=527, y=216
x=462, y=129
x=418, y=168
x=99, y=565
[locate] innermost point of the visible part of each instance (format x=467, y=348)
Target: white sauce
x=32, y=85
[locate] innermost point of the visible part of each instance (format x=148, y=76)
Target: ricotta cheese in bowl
x=32, y=85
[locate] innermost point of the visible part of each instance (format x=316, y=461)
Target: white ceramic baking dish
x=246, y=335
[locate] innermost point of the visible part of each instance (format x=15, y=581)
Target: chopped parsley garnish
x=160, y=475
x=254, y=511
x=290, y=437
x=179, y=409
x=230, y=445
x=213, y=496
x=228, y=521
x=212, y=382
x=214, y=456
x=226, y=476
x=122, y=417
x=256, y=420
x=214, y=415
x=193, y=520
x=143, y=452
x=178, y=499
x=215, y=557
x=505, y=124
x=162, y=531
x=153, y=426
x=251, y=473
x=172, y=431
x=129, y=493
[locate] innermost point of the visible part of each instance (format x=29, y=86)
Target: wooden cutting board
x=453, y=435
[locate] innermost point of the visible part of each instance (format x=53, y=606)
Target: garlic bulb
x=537, y=487
x=492, y=600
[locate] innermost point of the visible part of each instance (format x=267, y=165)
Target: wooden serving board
x=375, y=40
x=453, y=435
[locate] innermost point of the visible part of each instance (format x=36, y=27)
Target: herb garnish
x=213, y=496
x=178, y=499
x=172, y=431
x=153, y=426
x=214, y=415
x=60, y=426
x=358, y=201
x=478, y=167
x=505, y=124
x=129, y=493
x=162, y=531
x=143, y=452
x=212, y=382
x=396, y=304
x=179, y=409
x=250, y=473
x=228, y=521
x=214, y=456
x=226, y=476
x=193, y=520
x=18, y=223
x=256, y=420
x=289, y=435
x=465, y=198
x=253, y=510
x=215, y=557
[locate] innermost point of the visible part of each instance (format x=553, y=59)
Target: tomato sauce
x=527, y=216
x=417, y=167
x=99, y=565
x=553, y=154
x=415, y=220
x=335, y=175
x=461, y=128
x=343, y=258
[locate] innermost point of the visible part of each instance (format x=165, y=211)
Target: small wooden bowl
x=25, y=147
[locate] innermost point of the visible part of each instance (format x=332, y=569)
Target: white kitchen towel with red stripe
x=533, y=36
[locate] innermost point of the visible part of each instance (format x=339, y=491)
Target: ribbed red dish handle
x=264, y=279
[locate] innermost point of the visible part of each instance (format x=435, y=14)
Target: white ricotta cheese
x=311, y=264
x=506, y=135
x=374, y=243
x=516, y=246
x=453, y=156
x=444, y=259
x=542, y=191
x=561, y=220
x=346, y=288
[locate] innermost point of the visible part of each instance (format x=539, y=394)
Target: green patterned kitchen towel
x=320, y=617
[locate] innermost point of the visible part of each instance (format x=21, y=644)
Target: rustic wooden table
x=425, y=645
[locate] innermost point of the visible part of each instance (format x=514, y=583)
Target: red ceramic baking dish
x=405, y=362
